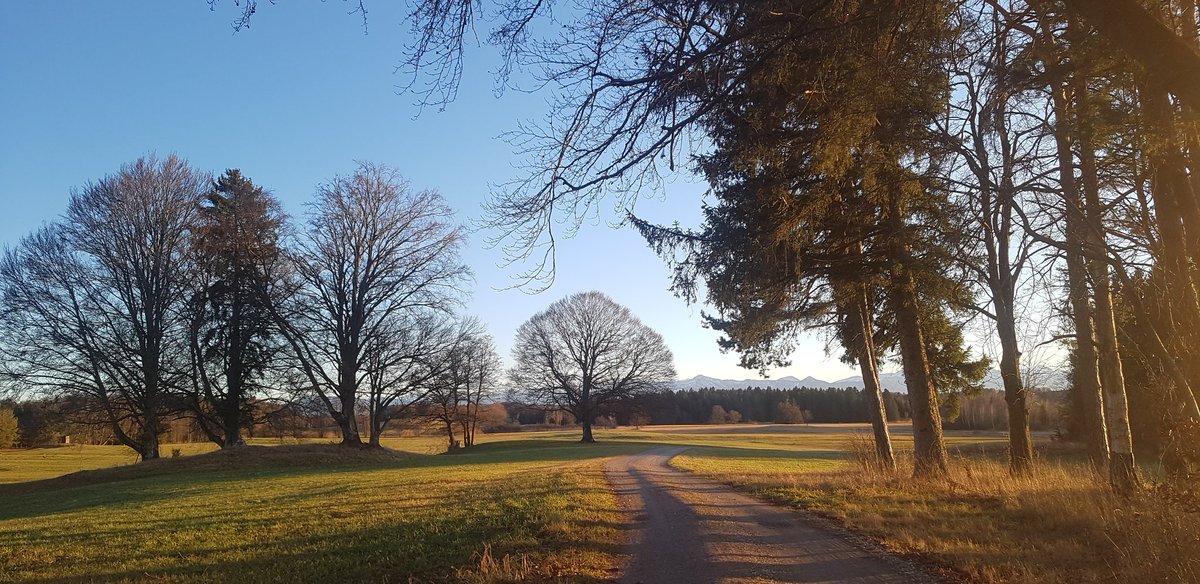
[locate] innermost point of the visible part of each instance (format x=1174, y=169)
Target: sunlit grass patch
x=732, y=464
x=20, y=465
x=519, y=507
x=429, y=518
x=17, y=465
x=983, y=525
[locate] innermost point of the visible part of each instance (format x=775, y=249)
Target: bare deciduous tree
x=997, y=145
x=443, y=381
x=404, y=365
x=585, y=355
x=475, y=368
x=374, y=254
x=92, y=305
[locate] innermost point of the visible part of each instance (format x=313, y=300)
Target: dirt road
x=689, y=530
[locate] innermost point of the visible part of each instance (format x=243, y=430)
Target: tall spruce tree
x=826, y=208
x=232, y=330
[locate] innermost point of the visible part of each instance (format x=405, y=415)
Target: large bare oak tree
x=586, y=354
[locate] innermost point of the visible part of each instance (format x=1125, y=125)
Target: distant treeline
x=44, y=422
x=983, y=411
x=757, y=404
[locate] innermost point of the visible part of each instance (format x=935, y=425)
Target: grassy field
x=317, y=513
x=535, y=507
x=33, y=464
x=20, y=465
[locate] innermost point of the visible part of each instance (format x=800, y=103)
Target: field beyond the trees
x=536, y=507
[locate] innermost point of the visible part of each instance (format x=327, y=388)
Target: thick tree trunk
x=376, y=433
x=860, y=315
x=1122, y=468
x=587, y=431
x=148, y=444
x=148, y=441
x=1020, y=442
x=348, y=422
x=1170, y=58
x=1087, y=368
x=232, y=433
x=1087, y=371
x=1179, y=233
x=929, y=450
x=231, y=415
x=148, y=448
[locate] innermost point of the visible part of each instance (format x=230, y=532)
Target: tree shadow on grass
x=431, y=551
x=169, y=479
x=383, y=539
x=330, y=464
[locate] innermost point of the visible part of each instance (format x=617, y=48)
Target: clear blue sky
x=294, y=100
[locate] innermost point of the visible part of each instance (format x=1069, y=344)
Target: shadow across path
x=695, y=531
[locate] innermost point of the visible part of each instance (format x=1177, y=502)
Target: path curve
x=690, y=530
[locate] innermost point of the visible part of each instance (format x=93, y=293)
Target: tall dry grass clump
x=491, y=570
x=1060, y=524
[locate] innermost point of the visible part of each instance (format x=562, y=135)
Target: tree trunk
x=148, y=448
x=997, y=217
x=1087, y=368
x=231, y=414
x=376, y=432
x=148, y=445
x=464, y=420
x=587, y=431
x=1087, y=372
x=860, y=315
x=1179, y=232
x=929, y=451
x=148, y=441
x=1020, y=442
x=1122, y=468
x=348, y=422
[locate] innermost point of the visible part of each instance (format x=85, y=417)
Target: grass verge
x=1060, y=525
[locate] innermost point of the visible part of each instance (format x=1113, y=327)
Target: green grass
x=523, y=507
x=351, y=518
x=41, y=463
x=20, y=465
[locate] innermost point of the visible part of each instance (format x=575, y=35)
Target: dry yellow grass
x=984, y=525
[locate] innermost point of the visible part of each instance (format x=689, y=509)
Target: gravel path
x=689, y=530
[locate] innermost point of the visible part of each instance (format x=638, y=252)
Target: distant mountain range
x=890, y=381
